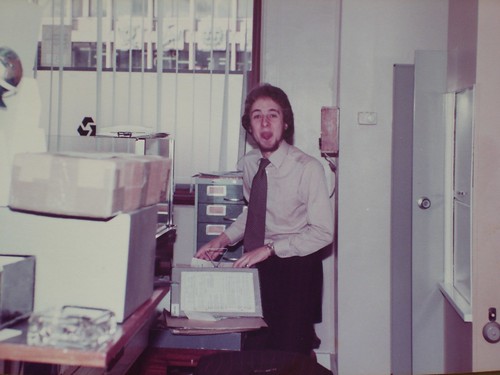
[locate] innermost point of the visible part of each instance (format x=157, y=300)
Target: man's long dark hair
x=278, y=95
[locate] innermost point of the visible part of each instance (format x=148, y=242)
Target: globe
x=11, y=72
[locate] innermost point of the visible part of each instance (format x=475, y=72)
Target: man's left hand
x=253, y=257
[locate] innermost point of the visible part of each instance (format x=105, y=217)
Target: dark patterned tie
x=256, y=216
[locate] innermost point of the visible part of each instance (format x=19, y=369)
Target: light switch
x=367, y=118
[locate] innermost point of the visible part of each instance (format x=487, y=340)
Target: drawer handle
x=233, y=199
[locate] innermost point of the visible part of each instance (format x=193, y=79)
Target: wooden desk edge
x=86, y=358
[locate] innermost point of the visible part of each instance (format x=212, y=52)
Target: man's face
x=266, y=124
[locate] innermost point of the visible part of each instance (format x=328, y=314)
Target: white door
x=428, y=200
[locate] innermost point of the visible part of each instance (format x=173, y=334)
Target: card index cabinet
x=218, y=201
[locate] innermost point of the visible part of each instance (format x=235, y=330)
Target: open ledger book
x=215, y=300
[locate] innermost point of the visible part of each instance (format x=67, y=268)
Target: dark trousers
x=291, y=293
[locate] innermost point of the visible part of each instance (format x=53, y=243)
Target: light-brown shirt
x=299, y=216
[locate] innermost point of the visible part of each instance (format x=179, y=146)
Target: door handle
x=491, y=331
x=424, y=203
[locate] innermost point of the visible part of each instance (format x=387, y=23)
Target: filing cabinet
x=218, y=200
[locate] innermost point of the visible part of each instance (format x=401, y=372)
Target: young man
x=298, y=223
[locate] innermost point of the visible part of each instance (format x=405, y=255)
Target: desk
x=158, y=361
x=167, y=351
x=130, y=340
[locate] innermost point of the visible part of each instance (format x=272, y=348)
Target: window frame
x=236, y=41
x=461, y=299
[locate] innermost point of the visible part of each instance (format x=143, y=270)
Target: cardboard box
x=89, y=185
x=91, y=263
x=158, y=181
x=17, y=286
x=157, y=173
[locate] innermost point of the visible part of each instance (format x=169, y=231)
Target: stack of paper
x=214, y=300
x=188, y=326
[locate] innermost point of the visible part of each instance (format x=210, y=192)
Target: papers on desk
x=187, y=326
x=8, y=333
x=222, y=292
x=197, y=262
x=214, y=300
x=218, y=293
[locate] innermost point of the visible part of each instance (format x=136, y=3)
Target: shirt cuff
x=280, y=248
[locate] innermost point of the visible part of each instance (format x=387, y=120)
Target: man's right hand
x=211, y=250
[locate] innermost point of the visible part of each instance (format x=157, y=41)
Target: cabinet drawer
x=219, y=213
x=219, y=201
x=208, y=231
x=216, y=193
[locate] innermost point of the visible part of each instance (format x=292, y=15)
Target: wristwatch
x=270, y=246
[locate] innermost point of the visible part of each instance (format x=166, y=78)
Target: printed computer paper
x=218, y=292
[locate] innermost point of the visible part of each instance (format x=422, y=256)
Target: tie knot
x=264, y=163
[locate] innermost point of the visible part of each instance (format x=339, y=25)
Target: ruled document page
x=218, y=292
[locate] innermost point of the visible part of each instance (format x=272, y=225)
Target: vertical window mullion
x=150, y=18
x=129, y=91
x=109, y=27
x=192, y=52
x=225, y=99
x=60, y=67
x=99, y=65
x=177, y=54
x=210, y=87
x=159, y=62
x=143, y=18
x=114, y=62
x=231, y=34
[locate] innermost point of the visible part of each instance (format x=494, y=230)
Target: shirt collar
x=280, y=154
